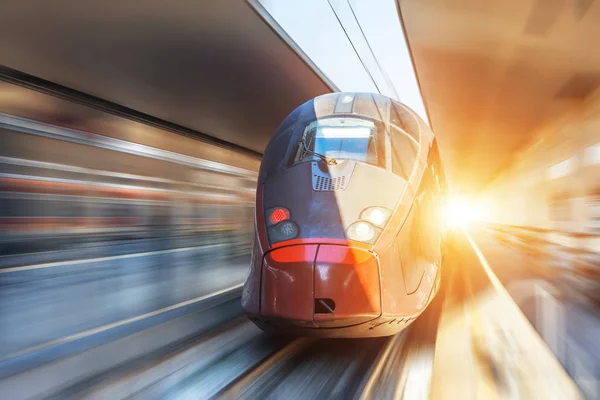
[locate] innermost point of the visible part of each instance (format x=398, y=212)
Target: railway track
x=228, y=357
x=238, y=361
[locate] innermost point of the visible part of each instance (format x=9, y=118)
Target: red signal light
x=278, y=214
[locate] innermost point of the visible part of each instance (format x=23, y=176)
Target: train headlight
x=378, y=216
x=362, y=231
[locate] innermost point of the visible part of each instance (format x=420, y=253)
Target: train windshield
x=342, y=139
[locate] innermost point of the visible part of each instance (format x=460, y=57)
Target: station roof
x=492, y=73
x=214, y=67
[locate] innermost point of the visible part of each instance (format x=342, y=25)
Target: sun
x=459, y=211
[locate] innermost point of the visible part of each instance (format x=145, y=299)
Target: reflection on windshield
x=342, y=138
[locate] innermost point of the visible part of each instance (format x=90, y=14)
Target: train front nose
x=320, y=286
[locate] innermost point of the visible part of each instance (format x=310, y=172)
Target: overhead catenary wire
x=382, y=70
x=354, y=47
x=362, y=61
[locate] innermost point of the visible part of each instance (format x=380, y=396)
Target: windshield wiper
x=328, y=160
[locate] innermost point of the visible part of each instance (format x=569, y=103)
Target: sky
x=313, y=25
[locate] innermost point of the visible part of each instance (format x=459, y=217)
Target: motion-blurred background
x=130, y=140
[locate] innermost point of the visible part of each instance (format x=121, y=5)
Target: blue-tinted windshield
x=343, y=139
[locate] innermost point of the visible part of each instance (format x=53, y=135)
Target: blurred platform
x=178, y=332
x=486, y=347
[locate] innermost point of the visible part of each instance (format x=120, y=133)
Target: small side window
x=436, y=163
x=404, y=153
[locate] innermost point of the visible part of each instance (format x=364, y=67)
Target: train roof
x=362, y=105
x=392, y=115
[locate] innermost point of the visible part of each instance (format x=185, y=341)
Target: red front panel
x=287, y=283
x=350, y=277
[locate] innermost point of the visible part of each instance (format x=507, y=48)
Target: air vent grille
x=335, y=178
x=326, y=184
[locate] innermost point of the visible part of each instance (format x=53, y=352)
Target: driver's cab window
x=342, y=139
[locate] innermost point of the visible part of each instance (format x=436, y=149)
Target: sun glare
x=460, y=211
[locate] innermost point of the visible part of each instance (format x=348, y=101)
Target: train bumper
x=319, y=289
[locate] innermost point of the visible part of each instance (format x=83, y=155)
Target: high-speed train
x=349, y=237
